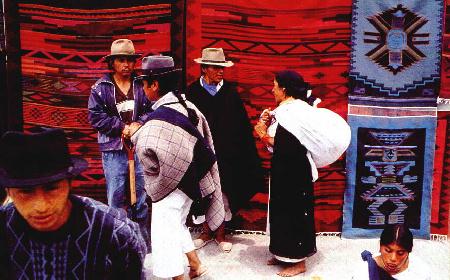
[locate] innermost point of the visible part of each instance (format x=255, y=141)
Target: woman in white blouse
x=395, y=260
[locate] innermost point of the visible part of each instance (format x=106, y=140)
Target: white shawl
x=325, y=134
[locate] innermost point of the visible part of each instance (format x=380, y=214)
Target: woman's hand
x=266, y=117
x=261, y=128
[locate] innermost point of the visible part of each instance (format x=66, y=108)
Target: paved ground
x=336, y=259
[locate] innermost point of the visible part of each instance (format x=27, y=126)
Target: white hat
x=214, y=56
x=122, y=47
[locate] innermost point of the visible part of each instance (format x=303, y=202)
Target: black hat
x=37, y=158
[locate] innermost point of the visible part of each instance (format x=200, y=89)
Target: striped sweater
x=97, y=242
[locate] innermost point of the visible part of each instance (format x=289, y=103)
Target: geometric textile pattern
x=297, y=35
x=396, y=39
x=390, y=172
x=441, y=183
x=396, y=53
x=441, y=178
x=62, y=55
x=445, y=70
x=395, y=73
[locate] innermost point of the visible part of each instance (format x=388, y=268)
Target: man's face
x=213, y=74
x=123, y=66
x=44, y=207
x=151, y=90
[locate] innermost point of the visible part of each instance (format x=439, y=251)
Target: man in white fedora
x=239, y=163
x=117, y=103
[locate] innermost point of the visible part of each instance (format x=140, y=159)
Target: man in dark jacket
x=47, y=233
x=239, y=164
x=116, y=104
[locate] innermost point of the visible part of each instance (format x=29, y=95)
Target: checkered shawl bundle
x=166, y=152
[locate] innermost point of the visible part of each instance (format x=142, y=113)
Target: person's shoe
x=199, y=243
x=202, y=240
x=224, y=246
x=199, y=272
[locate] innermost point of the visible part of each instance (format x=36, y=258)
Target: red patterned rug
x=61, y=56
x=262, y=38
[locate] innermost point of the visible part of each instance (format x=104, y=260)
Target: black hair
x=170, y=82
x=293, y=83
x=192, y=115
x=204, y=66
x=2, y=195
x=110, y=61
x=398, y=234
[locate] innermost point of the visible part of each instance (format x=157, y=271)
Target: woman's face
x=278, y=93
x=394, y=257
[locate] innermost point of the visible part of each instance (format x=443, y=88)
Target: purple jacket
x=103, y=114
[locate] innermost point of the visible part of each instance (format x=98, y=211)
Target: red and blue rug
x=394, y=84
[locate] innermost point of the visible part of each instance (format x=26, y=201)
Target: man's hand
x=134, y=126
x=126, y=131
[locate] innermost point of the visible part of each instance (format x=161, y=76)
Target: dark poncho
x=239, y=164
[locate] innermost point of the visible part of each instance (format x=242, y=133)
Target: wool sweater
x=97, y=242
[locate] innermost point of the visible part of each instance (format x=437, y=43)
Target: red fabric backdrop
x=312, y=37
x=441, y=186
x=62, y=50
x=62, y=56
x=262, y=38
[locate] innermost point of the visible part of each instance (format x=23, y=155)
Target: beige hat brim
x=109, y=56
x=224, y=64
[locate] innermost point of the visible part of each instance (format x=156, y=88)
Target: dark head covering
x=157, y=65
x=293, y=83
x=398, y=234
x=34, y=159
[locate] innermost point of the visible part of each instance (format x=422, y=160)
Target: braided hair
x=192, y=115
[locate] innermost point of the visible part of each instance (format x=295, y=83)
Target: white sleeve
x=361, y=271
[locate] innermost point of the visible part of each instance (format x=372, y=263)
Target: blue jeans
x=115, y=167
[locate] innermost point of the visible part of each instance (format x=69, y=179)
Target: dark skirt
x=291, y=205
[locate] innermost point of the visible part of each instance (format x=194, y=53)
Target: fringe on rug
x=433, y=237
